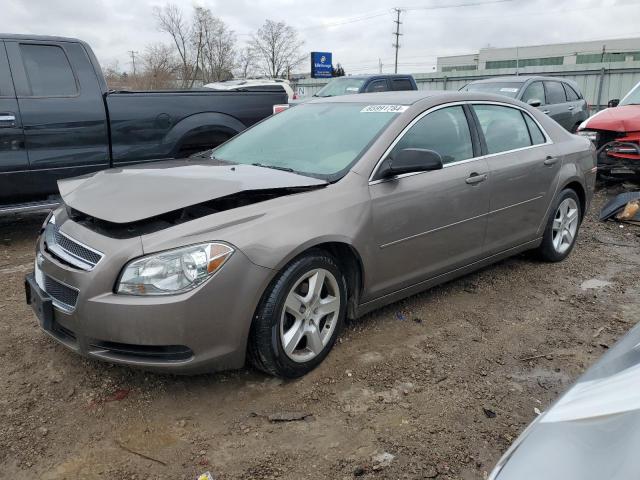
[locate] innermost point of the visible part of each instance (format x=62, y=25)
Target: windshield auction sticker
x=384, y=109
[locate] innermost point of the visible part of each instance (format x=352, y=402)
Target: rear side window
x=445, y=131
x=48, y=71
x=377, y=86
x=535, y=91
x=537, y=137
x=504, y=128
x=401, y=84
x=572, y=96
x=555, y=92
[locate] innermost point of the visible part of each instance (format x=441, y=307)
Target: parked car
x=58, y=120
x=559, y=98
x=616, y=133
x=255, y=85
x=591, y=432
x=267, y=246
x=364, y=84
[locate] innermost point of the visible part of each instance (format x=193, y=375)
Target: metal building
x=603, y=70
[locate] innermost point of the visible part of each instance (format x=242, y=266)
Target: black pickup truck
x=58, y=120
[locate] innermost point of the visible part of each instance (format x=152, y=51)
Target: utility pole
x=379, y=65
x=133, y=54
x=397, y=34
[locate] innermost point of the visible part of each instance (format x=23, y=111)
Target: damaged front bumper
x=618, y=160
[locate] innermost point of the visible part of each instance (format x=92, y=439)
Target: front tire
x=299, y=317
x=562, y=227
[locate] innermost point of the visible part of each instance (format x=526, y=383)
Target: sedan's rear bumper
x=205, y=329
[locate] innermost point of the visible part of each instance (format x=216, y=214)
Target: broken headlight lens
x=173, y=271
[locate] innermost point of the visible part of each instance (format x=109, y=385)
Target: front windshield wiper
x=275, y=167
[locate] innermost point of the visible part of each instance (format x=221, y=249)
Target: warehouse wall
x=612, y=80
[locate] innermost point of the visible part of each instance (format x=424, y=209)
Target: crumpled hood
x=124, y=195
x=619, y=119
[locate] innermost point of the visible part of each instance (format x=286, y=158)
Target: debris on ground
x=288, y=416
x=489, y=413
x=623, y=207
x=382, y=460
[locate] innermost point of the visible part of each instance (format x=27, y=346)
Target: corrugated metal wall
x=616, y=79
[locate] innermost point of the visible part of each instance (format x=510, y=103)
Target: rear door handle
x=7, y=119
x=550, y=161
x=476, y=178
x=546, y=112
x=571, y=108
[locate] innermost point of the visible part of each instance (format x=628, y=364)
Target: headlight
x=173, y=271
x=590, y=134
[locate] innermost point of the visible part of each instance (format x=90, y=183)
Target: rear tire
x=299, y=317
x=561, y=231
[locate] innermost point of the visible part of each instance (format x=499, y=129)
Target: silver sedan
x=263, y=247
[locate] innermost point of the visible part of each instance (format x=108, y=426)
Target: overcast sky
x=358, y=32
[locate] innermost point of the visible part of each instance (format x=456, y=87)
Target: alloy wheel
x=565, y=225
x=310, y=315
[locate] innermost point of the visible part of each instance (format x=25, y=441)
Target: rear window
x=509, y=89
x=401, y=84
x=48, y=71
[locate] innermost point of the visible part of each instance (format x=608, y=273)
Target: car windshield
x=509, y=89
x=320, y=140
x=633, y=97
x=341, y=86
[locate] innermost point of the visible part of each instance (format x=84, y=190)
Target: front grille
x=63, y=296
x=68, y=250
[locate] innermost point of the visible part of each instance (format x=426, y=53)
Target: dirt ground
x=436, y=386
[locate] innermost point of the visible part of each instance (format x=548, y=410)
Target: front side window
x=504, y=128
x=48, y=71
x=377, y=86
x=445, y=131
x=535, y=92
x=320, y=140
x=555, y=92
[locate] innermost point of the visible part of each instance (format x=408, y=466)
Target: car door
x=429, y=223
x=576, y=105
x=557, y=106
x=62, y=111
x=14, y=163
x=524, y=173
x=379, y=85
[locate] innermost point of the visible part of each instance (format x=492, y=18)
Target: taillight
x=279, y=108
x=295, y=96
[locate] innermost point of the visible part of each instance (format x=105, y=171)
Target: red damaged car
x=616, y=134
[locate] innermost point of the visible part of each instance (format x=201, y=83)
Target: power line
x=458, y=5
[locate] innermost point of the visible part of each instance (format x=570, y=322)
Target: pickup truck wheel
x=299, y=317
x=562, y=227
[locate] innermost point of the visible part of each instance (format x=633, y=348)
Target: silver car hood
x=592, y=432
x=124, y=195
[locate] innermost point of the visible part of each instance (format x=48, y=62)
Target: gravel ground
x=436, y=386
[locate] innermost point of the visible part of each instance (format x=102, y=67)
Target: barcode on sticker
x=384, y=109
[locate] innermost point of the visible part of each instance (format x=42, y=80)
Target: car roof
x=375, y=75
x=410, y=97
x=39, y=38
x=518, y=79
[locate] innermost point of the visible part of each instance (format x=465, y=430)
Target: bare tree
x=218, y=47
x=187, y=40
x=246, y=63
x=159, y=67
x=277, y=47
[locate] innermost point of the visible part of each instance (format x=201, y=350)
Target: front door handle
x=476, y=178
x=546, y=112
x=7, y=119
x=571, y=108
x=550, y=161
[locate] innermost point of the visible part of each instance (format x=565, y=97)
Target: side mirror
x=534, y=102
x=410, y=160
x=613, y=103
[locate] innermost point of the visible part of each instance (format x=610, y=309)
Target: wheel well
x=576, y=187
x=351, y=265
x=200, y=140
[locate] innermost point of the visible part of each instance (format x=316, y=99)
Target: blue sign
x=321, y=64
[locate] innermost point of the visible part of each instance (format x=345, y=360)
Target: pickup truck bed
x=58, y=120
